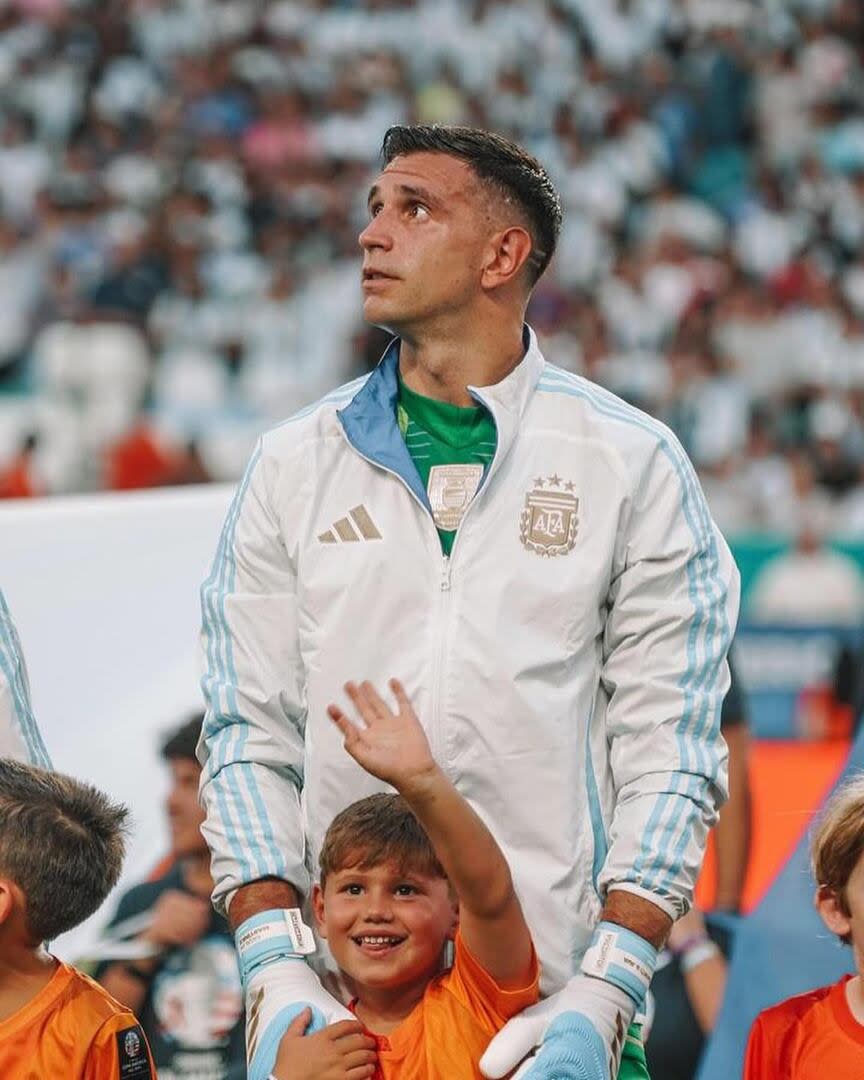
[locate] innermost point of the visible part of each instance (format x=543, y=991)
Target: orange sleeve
x=491, y=1004
x=756, y=1060
x=120, y=1052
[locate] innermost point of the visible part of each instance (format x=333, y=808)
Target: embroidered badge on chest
x=549, y=519
x=451, y=489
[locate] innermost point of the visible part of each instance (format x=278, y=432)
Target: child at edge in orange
x=821, y=1033
x=401, y=876
x=61, y=851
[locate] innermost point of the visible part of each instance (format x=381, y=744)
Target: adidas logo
x=358, y=525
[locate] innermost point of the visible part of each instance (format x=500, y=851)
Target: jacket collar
x=369, y=419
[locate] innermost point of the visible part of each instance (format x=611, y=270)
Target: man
x=531, y=557
x=178, y=971
x=19, y=735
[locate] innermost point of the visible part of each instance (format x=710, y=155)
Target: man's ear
x=830, y=908
x=318, y=910
x=509, y=251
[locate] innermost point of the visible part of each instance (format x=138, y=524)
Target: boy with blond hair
x=820, y=1033
x=61, y=851
x=403, y=876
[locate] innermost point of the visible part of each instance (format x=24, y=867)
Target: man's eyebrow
x=421, y=193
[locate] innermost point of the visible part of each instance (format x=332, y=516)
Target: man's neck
x=442, y=366
x=24, y=971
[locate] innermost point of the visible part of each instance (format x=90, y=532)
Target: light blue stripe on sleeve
x=691, y=726
x=12, y=668
x=238, y=795
x=220, y=724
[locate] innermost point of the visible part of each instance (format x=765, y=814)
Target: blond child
x=820, y=1033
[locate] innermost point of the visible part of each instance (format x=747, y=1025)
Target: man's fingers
x=361, y=1072
x=516, y=1039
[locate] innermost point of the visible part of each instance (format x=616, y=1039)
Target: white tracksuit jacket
x=567, y=660
x=19, y=735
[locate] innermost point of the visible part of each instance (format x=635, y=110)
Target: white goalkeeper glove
x=279, y=984
x=580, y=1030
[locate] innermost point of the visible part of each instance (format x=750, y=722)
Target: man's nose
x=377, y=234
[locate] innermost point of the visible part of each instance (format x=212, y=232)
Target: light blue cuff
x=622, y=958
x=269, y=936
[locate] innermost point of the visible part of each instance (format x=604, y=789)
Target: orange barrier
x=788, y=781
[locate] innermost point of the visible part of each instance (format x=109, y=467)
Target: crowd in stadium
x=182, y=184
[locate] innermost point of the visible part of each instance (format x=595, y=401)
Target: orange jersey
x=445, y=1036
x=73, y=1030
x=813, y=1036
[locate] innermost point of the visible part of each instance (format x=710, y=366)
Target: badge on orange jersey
x=132, y=1055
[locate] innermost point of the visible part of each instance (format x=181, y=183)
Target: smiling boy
x=401, y=877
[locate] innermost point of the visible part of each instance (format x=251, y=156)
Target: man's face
x=185, y=814
x=424, y=247
x=386, y=928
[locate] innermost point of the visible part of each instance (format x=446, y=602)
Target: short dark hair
x=183, y=741
x=503, y=165
x=378, y=829
x=62, y=842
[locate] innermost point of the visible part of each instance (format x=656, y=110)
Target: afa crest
x=550, y=517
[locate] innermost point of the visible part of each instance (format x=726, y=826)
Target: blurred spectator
x=178, y=219
x=178, y=970
x=810, y=585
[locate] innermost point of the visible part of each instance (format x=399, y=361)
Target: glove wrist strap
x=622, y=958
x=272, y=935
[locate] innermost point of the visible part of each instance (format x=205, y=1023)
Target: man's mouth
x=376, y=275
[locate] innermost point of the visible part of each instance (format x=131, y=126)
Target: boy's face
x=836, y=918
x=386, y=928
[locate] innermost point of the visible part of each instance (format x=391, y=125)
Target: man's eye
x=418, y=210
x=375, y=210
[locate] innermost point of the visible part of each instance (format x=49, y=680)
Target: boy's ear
x=7, y=900
x=318, y=910
x=830, y=909
x=454, y=926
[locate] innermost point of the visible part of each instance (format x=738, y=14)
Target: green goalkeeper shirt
x=451, y=445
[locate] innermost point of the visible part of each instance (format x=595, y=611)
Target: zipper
x=435, y=731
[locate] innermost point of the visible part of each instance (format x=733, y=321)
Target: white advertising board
x=104, y=592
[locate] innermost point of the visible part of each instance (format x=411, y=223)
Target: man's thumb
x=300, y=1022
x=517, y=1038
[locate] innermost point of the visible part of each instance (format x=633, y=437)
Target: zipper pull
x=445, y=574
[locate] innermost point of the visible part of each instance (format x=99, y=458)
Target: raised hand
x=391, y=746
